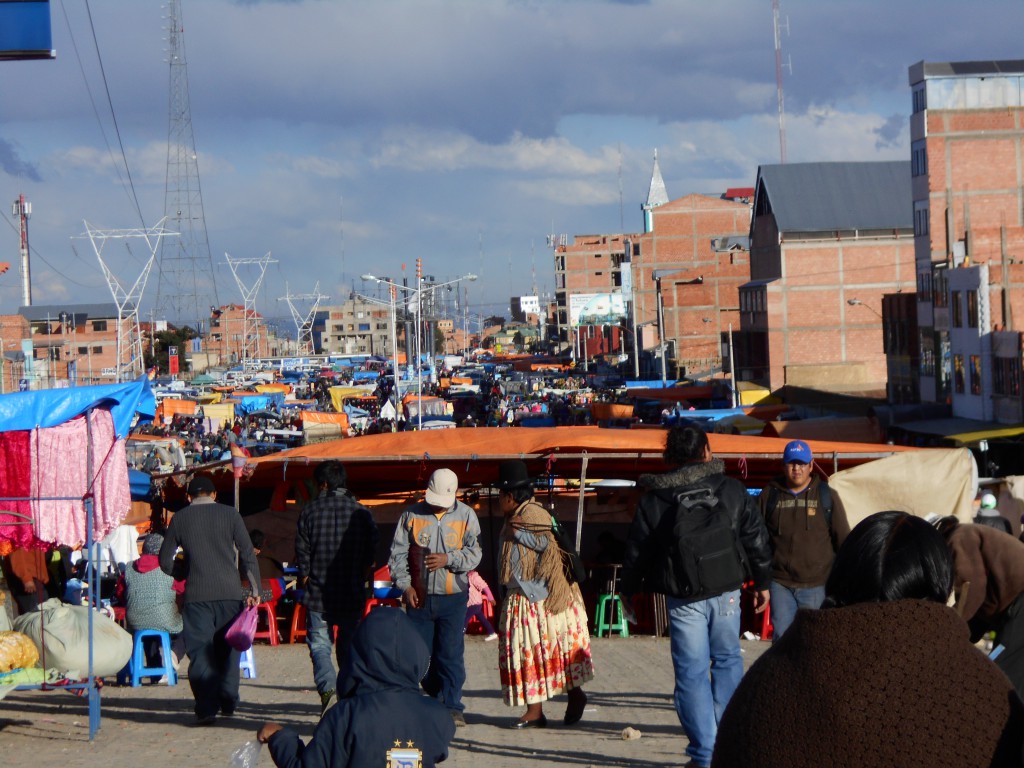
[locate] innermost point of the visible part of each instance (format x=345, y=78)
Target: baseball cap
x=797, y=450
x=442, y=488
x=201, y=484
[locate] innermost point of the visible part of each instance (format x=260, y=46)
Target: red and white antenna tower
x=23, y=210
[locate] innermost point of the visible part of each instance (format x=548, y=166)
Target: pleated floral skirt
x=541, y=655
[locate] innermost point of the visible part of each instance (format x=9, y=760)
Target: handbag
x=242, y=629
x=572, y=563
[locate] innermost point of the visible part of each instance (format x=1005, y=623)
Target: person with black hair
x=883, y=674
x=543, y=642
x=989, y=587
x=697, y=535
x=335, y=541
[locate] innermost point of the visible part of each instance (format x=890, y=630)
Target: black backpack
x=704, y=550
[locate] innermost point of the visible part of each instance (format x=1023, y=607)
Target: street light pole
x=418, y=292
x=661, y=328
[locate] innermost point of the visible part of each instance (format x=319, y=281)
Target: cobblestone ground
x=150, y=726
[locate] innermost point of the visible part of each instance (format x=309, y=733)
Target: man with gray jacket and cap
x=436, y=545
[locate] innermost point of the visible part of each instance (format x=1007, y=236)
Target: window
x=918, y=159
x=364, y=326
x=972, y=309
x=940, y=288
x=958, y=374
x=927, y=352
x=99, y=325
x=957, y=310
x=921, y=217
x=975, y=361
x=924, y=287
x=97, y=350
x=1007, y=375
x=920, y=98
x=83, y=350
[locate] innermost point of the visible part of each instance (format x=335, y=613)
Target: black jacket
x=647, y=564
x=380, y=707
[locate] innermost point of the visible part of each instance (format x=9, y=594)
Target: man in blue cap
x=797, y=509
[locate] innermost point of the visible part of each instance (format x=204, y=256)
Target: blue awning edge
x=50, y=407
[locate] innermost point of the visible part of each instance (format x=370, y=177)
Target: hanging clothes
x=58, y=507
x=16, y=481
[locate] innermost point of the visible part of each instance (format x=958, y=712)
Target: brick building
x=967, y=138
x=357, y=327
x=235, y=334
x=827, y=241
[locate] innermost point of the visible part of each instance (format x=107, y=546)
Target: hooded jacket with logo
x=647, y=560
x=381, y=717
x=803, y=541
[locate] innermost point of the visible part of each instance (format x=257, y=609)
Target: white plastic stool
x=247, y=664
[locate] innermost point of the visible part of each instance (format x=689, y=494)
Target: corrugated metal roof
x=81, y=312
x=954, y=68
x=827, y=197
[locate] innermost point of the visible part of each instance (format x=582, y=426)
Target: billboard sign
x=596, y=309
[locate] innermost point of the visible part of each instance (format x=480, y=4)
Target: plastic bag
x=242, y=630
x=246, y=756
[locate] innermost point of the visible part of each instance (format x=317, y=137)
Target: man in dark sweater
x=335, y=543
x=209, y=534
x=797, y=509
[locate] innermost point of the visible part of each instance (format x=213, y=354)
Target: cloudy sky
x=352, y=136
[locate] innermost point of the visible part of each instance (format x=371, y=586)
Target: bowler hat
x=512, y=474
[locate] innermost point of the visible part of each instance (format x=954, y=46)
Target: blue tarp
x=140, y=484
x=250, y=403
x=50, y=407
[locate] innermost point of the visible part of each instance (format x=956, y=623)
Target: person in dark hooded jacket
x=381, y=715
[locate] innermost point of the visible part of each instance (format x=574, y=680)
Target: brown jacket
x=993, y=563
x=803, y=545
x=874, y=684
x=28, y=564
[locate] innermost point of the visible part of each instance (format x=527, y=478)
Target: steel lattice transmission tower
x=129, y=334
x=251, y=327
x=304, y=323
x=186, y=286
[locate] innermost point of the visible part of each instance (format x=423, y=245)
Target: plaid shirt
x=334, y=546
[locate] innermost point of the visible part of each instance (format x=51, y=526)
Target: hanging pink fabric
x=60, y=468
x=15, y=481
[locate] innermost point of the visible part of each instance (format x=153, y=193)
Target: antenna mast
x=186, y=280
x=778, y=79
x=23, y=210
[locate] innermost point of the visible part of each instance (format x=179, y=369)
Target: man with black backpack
x=697, y=535
x=797, y=509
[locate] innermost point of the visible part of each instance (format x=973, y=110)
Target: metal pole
x=636, y=343
x=394, y=343
x=661, y=330
x=732, y=367
x=419, y=353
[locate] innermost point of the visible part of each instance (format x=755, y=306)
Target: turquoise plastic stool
x=610, y=616
x=138, y=666
x=247, y=663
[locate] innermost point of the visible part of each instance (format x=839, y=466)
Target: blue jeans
x=440, y=621
x=705, y=637
x=320, y=642
x=785, y=602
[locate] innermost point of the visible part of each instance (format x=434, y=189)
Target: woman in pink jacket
x=478, y=593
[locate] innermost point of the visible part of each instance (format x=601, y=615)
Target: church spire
x=657, y=195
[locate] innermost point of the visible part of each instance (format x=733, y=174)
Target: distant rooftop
x=827, y=197
x=79, y=312
x=925, y=69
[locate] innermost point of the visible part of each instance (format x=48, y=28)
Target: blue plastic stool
x=610, y=616
x=138, y=666
x=247, y=663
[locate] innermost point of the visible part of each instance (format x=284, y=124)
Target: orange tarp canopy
x=322, y=417
x=170, y=406
x=404, y=460
x=859, y=429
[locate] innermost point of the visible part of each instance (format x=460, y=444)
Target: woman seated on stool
x=883, y=674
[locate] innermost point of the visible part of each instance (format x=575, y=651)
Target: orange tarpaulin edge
x=321, y=417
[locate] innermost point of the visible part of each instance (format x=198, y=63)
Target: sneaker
x=492, y=636
x=458, y=719
x=204, y=720
x=325, y=701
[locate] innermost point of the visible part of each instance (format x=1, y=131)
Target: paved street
x=150, y=726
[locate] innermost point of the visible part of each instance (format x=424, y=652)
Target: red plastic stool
x=298, y=630
x=375, y=602
x=267, y=610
